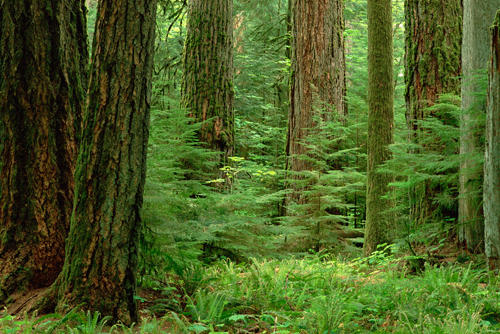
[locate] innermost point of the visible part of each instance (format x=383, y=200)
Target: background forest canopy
x=243, y=210
x=187, y=213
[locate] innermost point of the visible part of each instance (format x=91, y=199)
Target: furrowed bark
x=43, y=80
x=318, y=79
x=102, y=250
x=379, y=221
x=208, y=79
x=492, y=154
x=432, y=68
x=478, y=15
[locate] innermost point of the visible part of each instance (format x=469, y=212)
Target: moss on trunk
x=379, y=222
x=492, y=156
x=43, y=80
x=318, y=77
x=102, y=251
x=207, y=81
x=478, y=15
x=433, y=66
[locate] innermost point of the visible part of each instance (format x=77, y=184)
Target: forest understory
x=264, y=208
x=450, y=293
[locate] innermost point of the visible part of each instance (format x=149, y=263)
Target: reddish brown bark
x=318, y=76
x=207, y=82
x=101, y=260
x=43, y=66
x=432, y=68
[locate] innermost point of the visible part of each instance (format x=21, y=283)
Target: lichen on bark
x=379, y=220
x=102, y=250
x=433, y=34
x=207, y=81
x=492, y=154
x=478, y=15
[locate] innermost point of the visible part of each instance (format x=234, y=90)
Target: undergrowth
x=315, y=294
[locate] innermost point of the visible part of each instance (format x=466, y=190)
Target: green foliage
x=327, y=295
x=90, y=324
x=91, y=21
x=428, y=165
x=328, y=190
x=316, y=294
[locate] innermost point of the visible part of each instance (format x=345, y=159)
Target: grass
x=311, y=295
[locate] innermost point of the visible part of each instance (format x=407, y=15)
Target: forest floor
x=450, y=293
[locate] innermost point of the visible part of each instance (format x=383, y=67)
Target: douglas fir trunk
x=43, y=80
x=101, y=259
x=318, y=81
x=478, y=15
x=379, y=222
x=207, y=82
x=433, y=65
x=492, y=156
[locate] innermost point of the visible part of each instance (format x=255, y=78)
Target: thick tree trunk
x=43, y=79
x=101, y=260
x=433, y=65
x=379, y=222
x=318, y=77
x=207, y=82
x=433, y=54
x=492, y=155
x=478, y=15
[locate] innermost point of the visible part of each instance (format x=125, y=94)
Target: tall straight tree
x=492, y=154
x=43, y=79
x=478, y=15
x=318, y=75
x=102, y=247
x=379, y=220
x=207, y=82
x=432, y=66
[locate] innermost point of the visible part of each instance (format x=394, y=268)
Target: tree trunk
x=289, y=28
x=101, y=259
x=492, y=155
x=379, y=222
x=478, y=15
x=433, y=65
x=318, y=77
x=207, y=82
x=43, y=79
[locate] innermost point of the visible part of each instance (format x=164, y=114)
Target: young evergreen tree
x=433, y=64
x=379, y=223
x=102, y=247
x=318, y=79
x=478, y=15
x=207, y=82
x=492, y=156
x=43, y=79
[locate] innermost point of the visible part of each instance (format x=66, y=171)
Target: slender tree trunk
x=433, y=65
x=207, y=82
x=289, y=22
x=101, y=259
x=492, y=155
x=43, y=79
x=379, y=222
x=318, y=76
x=478, y=15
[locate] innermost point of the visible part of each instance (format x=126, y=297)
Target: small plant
x=90, y=324
x=206, y=307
